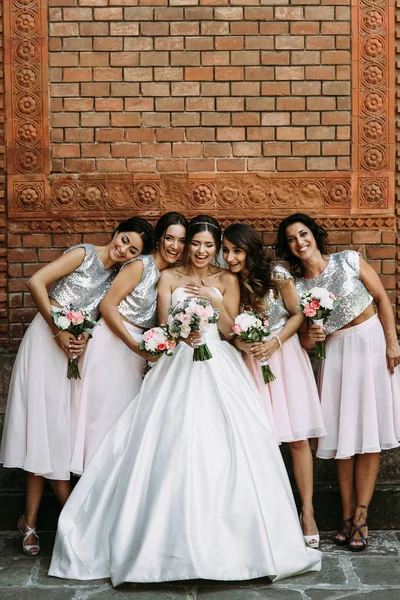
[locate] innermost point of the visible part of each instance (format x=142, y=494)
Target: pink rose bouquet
x=76, y=321
x=317, y=304
x=253, y=326
x=157, y=341
x=192, y=314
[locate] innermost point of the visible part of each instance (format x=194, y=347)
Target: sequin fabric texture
x=341, y=277
x=140, y=306
x=277, y=311
x=86, y=286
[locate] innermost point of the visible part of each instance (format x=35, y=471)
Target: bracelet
x=57, y=334
x=279, y=340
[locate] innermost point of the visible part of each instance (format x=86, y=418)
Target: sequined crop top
x=341, y=277
x=140, y=306
x=86, y=286
x=277, y=311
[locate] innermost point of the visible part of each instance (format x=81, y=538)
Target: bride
x=189, y=482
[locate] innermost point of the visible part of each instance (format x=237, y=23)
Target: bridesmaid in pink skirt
x=293, y=396
x=36, y=434
x=359, y=381
x=113, y=365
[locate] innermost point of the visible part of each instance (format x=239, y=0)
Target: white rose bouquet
x=76, y=321
x=317, y=304
x=252, y=326
x=192, y=314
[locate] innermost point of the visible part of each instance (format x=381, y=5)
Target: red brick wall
x=182, y=88
x=3, y=252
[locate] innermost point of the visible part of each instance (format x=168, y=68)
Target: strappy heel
x=311, y=541
x=355, y=545
x=32, y=549
x=345, y=531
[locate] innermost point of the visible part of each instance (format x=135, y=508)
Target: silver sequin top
x=86, y=286
x=277, y=311
x=341, y=277
x=140, y=306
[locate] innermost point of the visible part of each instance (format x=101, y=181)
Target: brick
x=320, y=72
x=201, y=134
x=66, y=151
x=317, y=103
x=276, y=149
x=141, y=165
x=289, y=42
x=229, y=14
x=154, y=59
x=289, y=13
x=111, y=165
x=231, y=42
x=306, y=148
x=168, y=74
x=320, y=13
x=335, y=57
x=107, y=74
x=276, y=118
x=142, y=13
x=245, y=89
x=214, y=28
x=81, y=74
x=242, y=119
x=306, y=88
x=233, y=134
x=109, y=135
x=95, y=29
x=125, y=150
x=108, y=14
x=380, y=252
x=293, y=103
x=139, y=43
x=94, y=59
x=199, y=165
x=63, y=29
x=218, y=150
x=125, y=29
x=245, y=57
x=275, y=88
x=304, y=28
x=199, y=43
x=275, y=58
x=199, y=74
x=20, y=255
x=78, y=104
x=186, y=88
x=77, y=14
x=64, y=120
x=320, y=133
x=165, y=14
x=170, y=135
x=95, y=89
x=290, y=133
x=36, y=240
x=170, y=166
x=187, y=150
x=215, y=58
x=335, y=148
x=199, y=13
x=95, y=150
x=289, y=73
x=64, y=59
x=140, y=135
x=215, y=118
x=336, y=88
x=200, y=104
x=306, y=118
x=185, y=58
x=78, y=44
x=231, y=164
x=185, y=119
x=306, y=57
x=215, y=89
x=124, y=59
x=320, y=164
x=109, y=104
x=320, y=42
x=258, y=13
x=138, y=74
x=155, y=119
x=335, y=28
x=260, y=133
x=79, y=135
x=290, y=164
x=366, y=237
x=139, y=104
x=170, y=104
x=246, y=148
x=275, y=28
x=259, y=73
x=187, y=28
x=243, y=28
x=169, y=43
x=232, y=104
x=95, y=119
x=113, y=44
x=228, y=73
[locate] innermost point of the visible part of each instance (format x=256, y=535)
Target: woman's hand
x=242, y=345
x=147, y=356
x=69, y=344
x=203, y=292
x=264, y=350
x=316, y=333
x=393, y=356
x=194, y=339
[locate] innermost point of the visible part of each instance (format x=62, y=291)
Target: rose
x=315, y=304
x=327, y=303
x=62, y=322
x=309, y=311
x=332, y=296
x=148, y=335
x=161, y=347
x=209, y=311
x=185, y=331
x=245, y=320
x=199, y=310
x=236, y=329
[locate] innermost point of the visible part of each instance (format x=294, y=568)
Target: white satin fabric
x=188, y=483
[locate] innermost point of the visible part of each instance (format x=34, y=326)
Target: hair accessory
x=204, y=223
x=279, y=340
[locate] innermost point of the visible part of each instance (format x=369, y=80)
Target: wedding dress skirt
x=188, y=483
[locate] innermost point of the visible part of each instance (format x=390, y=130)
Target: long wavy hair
x=203, y=223
x=168, y=219
x=256, y=281
x=143, y=228
x=282, y=246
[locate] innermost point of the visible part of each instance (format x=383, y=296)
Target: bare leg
x=303, y=473
x=366, y=473
x=345, y=469
x=34, y=493
x=61, y=489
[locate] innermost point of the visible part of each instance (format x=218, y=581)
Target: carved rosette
x=29, y=196
x=374, y=84
x=373, y=193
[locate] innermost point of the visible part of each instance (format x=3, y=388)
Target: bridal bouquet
x=157, y=341
x=252, y=326
x=317, y=304
x=192, y=314
x=76, y=321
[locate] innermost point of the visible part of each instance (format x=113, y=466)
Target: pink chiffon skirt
x=36, y=430
x=293, y=397
x=360, y=398
x=111, y=376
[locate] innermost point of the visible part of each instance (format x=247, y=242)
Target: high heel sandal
x=311, y=541
x=345, y=531
x=355, y=545
x=32, y=549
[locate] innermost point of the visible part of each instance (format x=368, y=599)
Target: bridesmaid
x=36, y=434
x=359, y=382
x=296, y=412
x=113, y=366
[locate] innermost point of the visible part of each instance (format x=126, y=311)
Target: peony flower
x=315, y=304
x=199, y=310
x=309, y=311
x=185, y=331
x=236, y=329
x=62, y=322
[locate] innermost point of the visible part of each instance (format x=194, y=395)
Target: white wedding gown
x=188, y=483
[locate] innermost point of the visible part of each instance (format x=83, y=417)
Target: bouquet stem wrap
x=202, y=353
x=267, y=374
x=320, y=346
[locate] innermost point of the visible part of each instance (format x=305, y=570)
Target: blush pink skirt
x=111, y=376
x=360, y=398
x=293, y=396
x=36, y=430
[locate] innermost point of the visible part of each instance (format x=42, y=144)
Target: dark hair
x=170, y=218
x=204, y=223
x=282, y=246
x=143, y=228
x=256, y=282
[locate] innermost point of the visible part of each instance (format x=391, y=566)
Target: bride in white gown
x=189, y=482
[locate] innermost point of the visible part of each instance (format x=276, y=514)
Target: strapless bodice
x=210, y=332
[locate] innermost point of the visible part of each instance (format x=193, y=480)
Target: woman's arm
x=122, y=285
x=229, y=308
x=291, y=301
x=374, y=285
x=164, y=299
x=37, y=285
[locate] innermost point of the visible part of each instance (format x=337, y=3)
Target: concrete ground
x=370, y=575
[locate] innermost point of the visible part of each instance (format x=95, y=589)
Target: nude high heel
x=33, y=549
